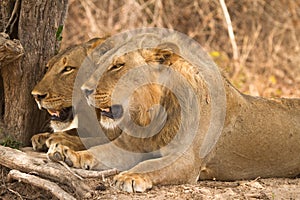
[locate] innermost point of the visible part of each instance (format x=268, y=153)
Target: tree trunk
x=1, y=99
x=34, y=24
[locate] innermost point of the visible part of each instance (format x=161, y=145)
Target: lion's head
x=134, y=83
x=54, y=91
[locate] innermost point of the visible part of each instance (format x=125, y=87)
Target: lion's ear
x=168, y=46
x=93, y=43
x=165, y=53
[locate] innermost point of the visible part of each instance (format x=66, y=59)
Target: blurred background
x=267, y=34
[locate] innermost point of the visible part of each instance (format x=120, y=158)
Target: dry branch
x=77, y=172
x=230, y=30
x=95, y=174
x=15, y=159
x=41, y=183
x=10, y=50
x=81, y=173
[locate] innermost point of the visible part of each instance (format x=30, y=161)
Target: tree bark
x=37, y=23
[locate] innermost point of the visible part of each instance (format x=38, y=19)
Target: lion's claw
x=69, y=162
x=57, y=156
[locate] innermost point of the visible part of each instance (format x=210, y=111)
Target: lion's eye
x=117, y=66
x=67, y=69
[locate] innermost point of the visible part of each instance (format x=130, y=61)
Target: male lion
x=54, y=93
x=260, y=137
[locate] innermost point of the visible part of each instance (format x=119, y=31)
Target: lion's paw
x=76, y=159
x=38, y=141
x=132, y=182
x=73, y=142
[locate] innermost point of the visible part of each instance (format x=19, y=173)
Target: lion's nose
x=88, y=92
x=39, y=96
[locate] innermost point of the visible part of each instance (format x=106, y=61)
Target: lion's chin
x=62, y=115
x=108, y=123
x=59, y=126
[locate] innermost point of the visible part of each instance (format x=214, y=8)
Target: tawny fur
x=260, y=137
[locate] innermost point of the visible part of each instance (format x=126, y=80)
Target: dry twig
x=41, y=183
x=15, y=192
x=230, y=30
x=95, y=174
x=70, y=170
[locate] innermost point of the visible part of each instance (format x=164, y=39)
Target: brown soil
x=273, y=188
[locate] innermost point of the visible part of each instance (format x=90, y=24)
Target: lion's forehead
x=134, y=57
x=52, y=79
x=70, y=57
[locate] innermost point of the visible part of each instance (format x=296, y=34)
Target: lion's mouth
x=66, y=114
x=113, y=112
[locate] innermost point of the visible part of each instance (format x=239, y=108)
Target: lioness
x=260, y=137
x=54, y=93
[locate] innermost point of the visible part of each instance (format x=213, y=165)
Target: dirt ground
x=255, y=189
x=274, y=188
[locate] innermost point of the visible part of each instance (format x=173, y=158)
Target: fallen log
x=15, y=159
x=41, y=183
x=80, y=172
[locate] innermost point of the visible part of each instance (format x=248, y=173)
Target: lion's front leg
x=100, y=157
x=173, y=169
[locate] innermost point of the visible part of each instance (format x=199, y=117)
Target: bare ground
x=273, y=188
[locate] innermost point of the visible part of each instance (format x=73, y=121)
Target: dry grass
x=267, y=34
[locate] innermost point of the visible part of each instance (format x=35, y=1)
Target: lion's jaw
x=110, y=117
x=108, y=123
x=58, y=126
